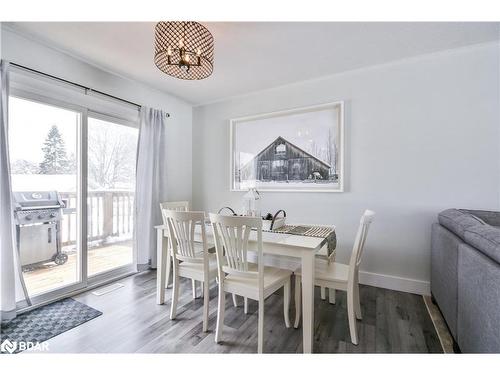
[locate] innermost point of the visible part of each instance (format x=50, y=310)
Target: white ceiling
x=257, y=55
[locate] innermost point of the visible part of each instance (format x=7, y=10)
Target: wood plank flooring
x=393, y=322
x=49, y=276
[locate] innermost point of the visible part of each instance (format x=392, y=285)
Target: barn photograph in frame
x=300, y=149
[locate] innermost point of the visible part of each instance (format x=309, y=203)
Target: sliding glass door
x=45, y=154
x=112, y=149
x=67, y=164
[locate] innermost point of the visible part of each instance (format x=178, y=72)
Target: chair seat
x=337, y=272
x=274, y=278
x=187, y=269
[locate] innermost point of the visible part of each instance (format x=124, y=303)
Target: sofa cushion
x=486, y=239
x=457, y=221
x=486, y=217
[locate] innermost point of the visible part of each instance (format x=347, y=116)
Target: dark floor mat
x=41, y=324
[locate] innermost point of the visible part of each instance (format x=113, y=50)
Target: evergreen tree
x=55, y=160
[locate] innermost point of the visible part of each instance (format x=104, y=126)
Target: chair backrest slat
x=184, y=236
x=181, y=227
x=359, y=242
x=232, y=234
x=173, y=206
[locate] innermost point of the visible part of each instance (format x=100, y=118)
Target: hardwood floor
x=393, y=322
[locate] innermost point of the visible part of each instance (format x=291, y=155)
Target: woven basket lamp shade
x=184, y=50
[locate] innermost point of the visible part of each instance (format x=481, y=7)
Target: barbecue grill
x=38, y=216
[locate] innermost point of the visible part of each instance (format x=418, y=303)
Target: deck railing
x=109, y=213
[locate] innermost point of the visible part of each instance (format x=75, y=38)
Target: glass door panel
x=44, y=154
x=111, y=191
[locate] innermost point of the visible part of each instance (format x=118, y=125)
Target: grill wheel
x=60, y=259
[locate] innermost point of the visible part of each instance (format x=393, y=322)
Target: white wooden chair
x=323, y=254
x=187, y=262
x=174, y=206
x=341, y=276
x=236, y=275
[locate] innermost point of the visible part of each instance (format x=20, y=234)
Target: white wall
x=422, y=135
x=25, y=51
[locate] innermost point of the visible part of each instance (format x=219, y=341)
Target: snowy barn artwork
x=295, y=150
x=283, y=161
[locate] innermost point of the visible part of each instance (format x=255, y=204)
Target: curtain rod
x=78, y=85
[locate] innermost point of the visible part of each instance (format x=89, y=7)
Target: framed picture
x=294, y=150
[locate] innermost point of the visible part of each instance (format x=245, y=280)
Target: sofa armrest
x=478, y=315
x=458, y=221
x=444, y=273
x=486, y=239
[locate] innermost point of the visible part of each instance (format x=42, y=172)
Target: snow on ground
x=44, y=182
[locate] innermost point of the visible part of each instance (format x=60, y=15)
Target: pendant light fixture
x=184, y=50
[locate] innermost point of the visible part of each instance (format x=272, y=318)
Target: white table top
x=290, y=240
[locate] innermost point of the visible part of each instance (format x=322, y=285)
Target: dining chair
x=187, y=262
x=323, y=254
x=231, y=212
x=175, y=206
x=238, y=276
x=340, y=276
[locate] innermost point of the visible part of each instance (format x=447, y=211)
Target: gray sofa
x=465, y=277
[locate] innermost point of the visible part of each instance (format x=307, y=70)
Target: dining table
x=299, y=247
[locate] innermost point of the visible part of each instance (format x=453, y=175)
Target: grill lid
x=36, y=199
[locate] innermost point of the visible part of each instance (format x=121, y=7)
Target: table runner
x=312, y=231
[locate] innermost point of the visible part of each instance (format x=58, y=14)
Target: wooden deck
x=50, y=276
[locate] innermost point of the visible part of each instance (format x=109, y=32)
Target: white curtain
x=151, y=183
x=7, y=265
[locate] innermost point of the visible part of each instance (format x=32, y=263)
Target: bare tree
x=332, y=152
x=111, y=157
x=22, y=166
x=328, y=154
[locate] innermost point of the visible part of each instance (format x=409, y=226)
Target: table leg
x=161, y=258
x=308, y=300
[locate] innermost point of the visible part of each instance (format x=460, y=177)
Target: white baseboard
x=398, y=283
x=395, y=283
